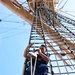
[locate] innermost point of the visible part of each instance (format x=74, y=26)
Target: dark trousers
x=40, y=70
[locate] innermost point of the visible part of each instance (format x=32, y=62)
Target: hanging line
x=32, y=28
x=52, y=73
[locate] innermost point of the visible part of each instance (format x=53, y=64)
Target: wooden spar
x=23, y=13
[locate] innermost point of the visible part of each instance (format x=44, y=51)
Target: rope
x=67, y=13
x=66, y=19
x=35, y=66
x=60, y=3
x=34, y=47
x=52, y=73
x=32, y=28
x=31, y=64
x=64, y=5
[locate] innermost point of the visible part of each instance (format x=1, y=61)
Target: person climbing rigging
x=42, y=60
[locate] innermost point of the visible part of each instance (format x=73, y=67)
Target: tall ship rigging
x=51, y=28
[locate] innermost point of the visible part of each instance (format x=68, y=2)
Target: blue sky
x=14, y=37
